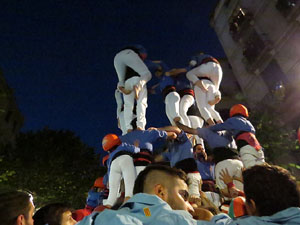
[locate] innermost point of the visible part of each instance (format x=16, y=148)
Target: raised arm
x=170, y=129
x=175, y=72
x=186, y=129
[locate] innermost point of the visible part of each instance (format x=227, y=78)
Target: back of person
x=16, y=208
x=272, y=197
x=134, y=213
x=54, y=214
x=144, y=137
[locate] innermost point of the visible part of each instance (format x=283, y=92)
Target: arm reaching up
x=186, y=129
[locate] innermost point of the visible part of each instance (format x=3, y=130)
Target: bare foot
x=124, y=91
x=129, y=130
x=210, y=122
x=126, y=199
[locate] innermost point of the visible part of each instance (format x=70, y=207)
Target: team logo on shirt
x=147, y=212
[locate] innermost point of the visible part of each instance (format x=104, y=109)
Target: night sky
x=58, y=55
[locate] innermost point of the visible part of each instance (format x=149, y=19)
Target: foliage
x=55, y=165
x=278, y=140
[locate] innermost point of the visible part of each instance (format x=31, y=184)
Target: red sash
x=250, y=138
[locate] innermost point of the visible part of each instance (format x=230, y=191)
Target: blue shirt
x=122, y=147
x=105, y=179
x=152, y=67
x=216, y=139
x=206, y=170
x=95, y=198
x=166, y=81
x=179, y=149
x=181, y=82
x=234, y=125
x=142, y=209
x=146, y=138
x=289, y=216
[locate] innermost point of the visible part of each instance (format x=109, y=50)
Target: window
x=285, y=6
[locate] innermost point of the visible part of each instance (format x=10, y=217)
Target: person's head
x=238, y=109
x=54, y=214
x=199, y=152
x=170, y=184
x=159, y=68
x=99, y=184
x=16, y=208
x=110, y=142
x=269, y=189
x=94, y=195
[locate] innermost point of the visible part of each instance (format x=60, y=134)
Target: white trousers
x=139, y=169
x=122, y=166
x=206, y=110
x=120, y=112
x=141, y=105
x=129, y=58
x=185, y=103
x=172, y=106
x=194, y=184
x=211, y=70
x=250, y=157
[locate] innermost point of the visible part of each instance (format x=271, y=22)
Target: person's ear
x=160, y=191
x=251, y=207
x=20, y=220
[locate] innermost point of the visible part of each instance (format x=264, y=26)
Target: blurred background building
x=261, y=39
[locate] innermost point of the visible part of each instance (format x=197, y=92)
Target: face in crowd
x=67, y=219
x=178, y=195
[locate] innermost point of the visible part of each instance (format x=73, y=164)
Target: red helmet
x=238, y=109
x=110, y=141
x=104, y=160
x=99, y=183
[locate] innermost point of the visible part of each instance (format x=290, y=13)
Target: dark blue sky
x=58, y=55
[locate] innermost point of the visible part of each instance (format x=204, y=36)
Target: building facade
x=261, y=39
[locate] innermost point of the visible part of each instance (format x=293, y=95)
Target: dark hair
x=140, y=180
x=195, y=146
x=51, y=214
x=272, y=188
x=222, y=153
x=12, y=204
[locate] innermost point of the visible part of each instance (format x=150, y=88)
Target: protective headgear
x=238, y=109
x=110, y=141
x=99, y=183
x=104, y=160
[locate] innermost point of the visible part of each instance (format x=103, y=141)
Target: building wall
x=261, y=39
x=11, y=119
